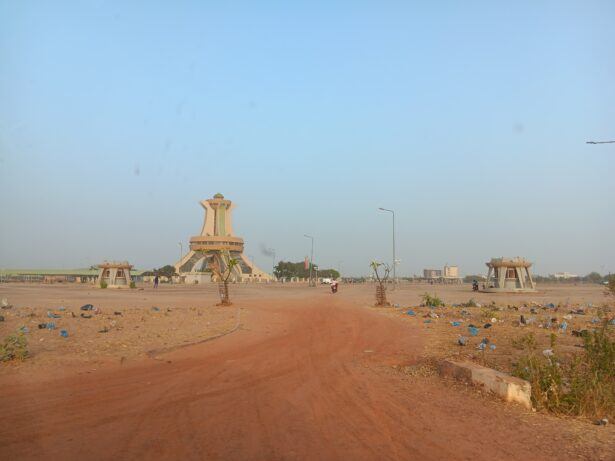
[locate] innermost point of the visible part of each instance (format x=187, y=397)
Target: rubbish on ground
x=104, y=330
x=427, y=321
x=411, y=312
x=563, y=326
x=61, y=308
x=548, y=353
x=568, y=317
x=51, y=315
x=24, y=329
x=462, y=340
x=433, y=315
x=5, y=304
x=601, y=422
x=481, y=346
x=455, y=324
x=86, y=316
x=51, y=326
x=42, y=326
x=473, y=331
x=155, y=309
x=487, y=325
x=522, y=320
x=87, y=307
x=1, y=318
x=494, y=320
x=64, y=333
x=595, y=320
x=492, y=347
x=580, y=333
x=117, y=313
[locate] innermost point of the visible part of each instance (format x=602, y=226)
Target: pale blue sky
x=467, y=118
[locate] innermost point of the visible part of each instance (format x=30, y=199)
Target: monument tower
x=217, y=244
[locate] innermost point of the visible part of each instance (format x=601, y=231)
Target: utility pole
x=181, y=251
x=312, y=284
x=394, y=259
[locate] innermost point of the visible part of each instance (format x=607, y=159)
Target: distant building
x=451, y=272
x=564, y=275
x=432, y=273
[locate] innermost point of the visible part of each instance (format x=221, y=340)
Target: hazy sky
x=469, y=119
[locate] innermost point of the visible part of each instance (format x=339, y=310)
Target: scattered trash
x=24, y=329
x=462, y=340
x=51, y=326
x=51, y=315
x=117, y=313
x=433, y=315
x=473, y=331
x=86, y=316
x=550, y=306
x=42, y=326
x=595, y=320
x=64, y=333
x=580, y=333
x=5, y=304
x=492, y=347
x=104, y=330
x=1, y=318
x=563, y=326
x=395, y=305
x=156, y=309
x=522, y=320
x=427, y=321
x=61, y=308
x=568, y=317
x=548, y=353
x=612, y=321
x=481, y=346
x=494, y=320
x=410, y=312
x=487, y=325
x=455, y=324
x=87, y=307
x=601, y=422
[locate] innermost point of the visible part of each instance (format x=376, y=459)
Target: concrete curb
x=508, y=387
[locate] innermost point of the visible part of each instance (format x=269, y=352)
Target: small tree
x=610, y=287
x=223, y=276
x=381, y=295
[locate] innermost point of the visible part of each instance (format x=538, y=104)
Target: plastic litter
x=601, y=422
x=117, y=313
x=563, y=326
x=580, y=333
x=51, y=315
x=86, y=316
x=24, y=329
x=87, y=307
x=51, y=326
x=427, y=321
x=455, y=324
x=494, y=320
x=156, y=309
x=548, y=353
x=595, y=320
x=462, y=340
x=410, y=312
x=473, y=331
x=492, y=347
x=61, y=308
x=487, y=325
x=64, y=333
x=522, y=320
x=42, y=326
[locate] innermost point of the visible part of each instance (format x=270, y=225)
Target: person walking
x=156, y=281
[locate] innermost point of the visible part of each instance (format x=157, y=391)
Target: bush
x=103, y=284
x=14, y=347
x=432, y=301
x=133, y=285
x=585, y=386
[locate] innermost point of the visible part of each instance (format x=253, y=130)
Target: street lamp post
x=394, y=259
x=273, y=262
x=311, y=258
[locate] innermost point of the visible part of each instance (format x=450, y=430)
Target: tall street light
x=394, y=260
x=273, y=262
x=311, y=258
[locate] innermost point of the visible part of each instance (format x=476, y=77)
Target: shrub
x=584, y=386
x=133, y=284
x=14, y=347
x=103, y=284
x=432, y=301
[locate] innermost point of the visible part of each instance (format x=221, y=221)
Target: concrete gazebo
x=509, y=275
x=115, y=274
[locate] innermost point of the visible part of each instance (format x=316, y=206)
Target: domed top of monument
x=219, y=195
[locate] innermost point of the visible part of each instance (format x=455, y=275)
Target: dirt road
x=302, y=379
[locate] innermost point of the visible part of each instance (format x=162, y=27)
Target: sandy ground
x=306, y=375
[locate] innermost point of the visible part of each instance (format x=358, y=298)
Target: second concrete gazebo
x=509, y=275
